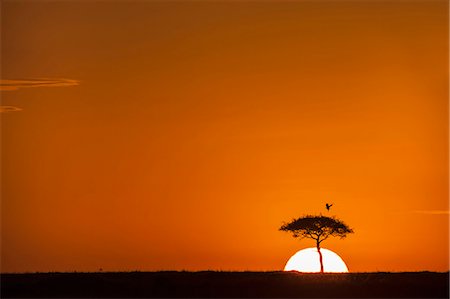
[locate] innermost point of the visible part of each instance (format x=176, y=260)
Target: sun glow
x=307, y=260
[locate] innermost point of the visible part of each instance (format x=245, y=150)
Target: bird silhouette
x=328, y=206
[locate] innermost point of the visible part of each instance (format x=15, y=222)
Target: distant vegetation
x=225, y=284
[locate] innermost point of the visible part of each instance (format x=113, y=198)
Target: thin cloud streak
x=6, y=109
x=431, y=212
x=9, y=85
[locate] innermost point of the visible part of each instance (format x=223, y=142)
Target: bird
x=328, y=206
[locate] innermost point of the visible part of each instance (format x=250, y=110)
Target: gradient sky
x=140, y=135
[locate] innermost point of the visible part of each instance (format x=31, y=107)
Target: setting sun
x=307, y=260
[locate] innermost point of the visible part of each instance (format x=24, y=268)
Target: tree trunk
x=320, y=257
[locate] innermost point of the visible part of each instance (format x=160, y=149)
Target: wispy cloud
x=40, y=82
x=10, y=85
x=431, y=212
x=5, y=109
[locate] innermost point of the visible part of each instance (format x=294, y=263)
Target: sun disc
x=308, y=260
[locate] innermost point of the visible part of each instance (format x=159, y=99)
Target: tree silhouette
x=318, y=228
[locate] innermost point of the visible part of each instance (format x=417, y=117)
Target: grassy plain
x=226, y=285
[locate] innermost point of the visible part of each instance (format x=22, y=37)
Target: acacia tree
x=318, y=228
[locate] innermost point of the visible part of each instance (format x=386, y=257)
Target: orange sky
x=180, y=135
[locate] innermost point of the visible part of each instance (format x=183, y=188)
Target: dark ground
x=226, y=284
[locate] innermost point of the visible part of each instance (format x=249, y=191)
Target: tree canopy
x=318, y=228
